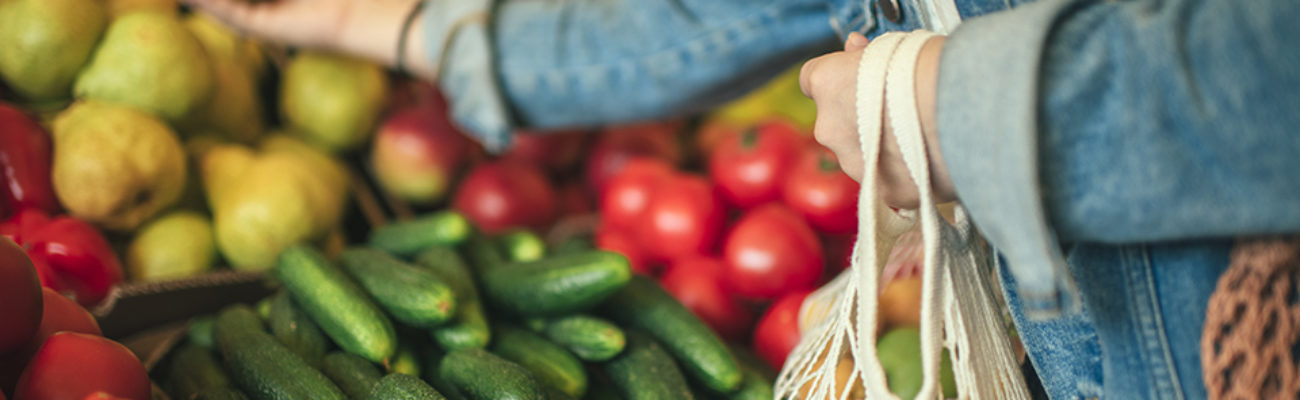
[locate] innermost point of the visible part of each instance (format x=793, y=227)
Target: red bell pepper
x=70, y=255
x=25, y=162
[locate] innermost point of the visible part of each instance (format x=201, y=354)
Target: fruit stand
x=192, y=214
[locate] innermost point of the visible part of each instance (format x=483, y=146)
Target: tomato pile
x=738, y=222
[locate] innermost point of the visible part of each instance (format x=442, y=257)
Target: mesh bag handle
x=958, y=310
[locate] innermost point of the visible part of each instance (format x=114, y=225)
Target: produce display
x=141, y=142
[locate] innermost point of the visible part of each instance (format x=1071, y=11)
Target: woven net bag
x=959, y=310
x=1252, y=323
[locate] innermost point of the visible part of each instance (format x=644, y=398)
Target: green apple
x=175, y=245
x=899, y=351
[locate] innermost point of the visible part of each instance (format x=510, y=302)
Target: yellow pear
x=45, y=43
x=114, y=165
x=268, y=213
x=221, y=168
x=235, y=108
x=149, y=60
x=121, y=7
x=263, y=201
x=223, y=43
x=175, y=245
x=332, y=100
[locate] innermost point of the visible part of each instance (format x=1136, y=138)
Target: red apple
x=417, y=152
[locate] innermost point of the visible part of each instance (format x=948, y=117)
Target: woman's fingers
x=855, y=41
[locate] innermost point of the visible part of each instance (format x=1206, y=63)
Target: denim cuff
x=987, y=115
x=458, y=33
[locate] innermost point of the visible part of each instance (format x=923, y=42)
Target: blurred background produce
x=141, y=142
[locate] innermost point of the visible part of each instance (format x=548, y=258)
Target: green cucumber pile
x=429, y=309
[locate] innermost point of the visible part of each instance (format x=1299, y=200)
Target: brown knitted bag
x=1252, y=323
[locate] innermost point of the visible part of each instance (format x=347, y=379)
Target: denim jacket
x=1110, y=150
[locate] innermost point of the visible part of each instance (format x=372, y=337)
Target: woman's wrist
x=927, y=77
x=376, y=34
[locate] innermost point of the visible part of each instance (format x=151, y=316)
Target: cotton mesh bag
x=958, y=306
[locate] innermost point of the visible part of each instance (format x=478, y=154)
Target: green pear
x=45, y=43
x=149, y=60
x=235, y=108
x=175, y=245
x=333, y=101
x=115, y=166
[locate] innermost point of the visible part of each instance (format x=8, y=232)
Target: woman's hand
x=368, y=29
x=831, y=81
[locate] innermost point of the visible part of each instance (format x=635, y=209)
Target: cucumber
x=353, y=374
x=484, y=253
x=523, y=245
x=755, y=386
x=644, y=305
x=407, y=238
x=405, y=361
x=432, y=358
x=599, y=386
x=556, y=394
x=338, y=306
x=397, y=386
x=200, y=331
x=574, y=244
x=295, y=330
x=481, y=375
x=759, y=378
x=263, y=308
x=588, y=337
x=412, y=295
x=644, y=371
x=195, y=370
x=262, y=367
x=223, y=393
x=551, y=364
x=557, y=285
x=469, y=326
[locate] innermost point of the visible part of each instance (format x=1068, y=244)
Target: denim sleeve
x=1124, y=121
x=562, y=63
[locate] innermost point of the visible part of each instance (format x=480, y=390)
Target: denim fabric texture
x=1109, y=150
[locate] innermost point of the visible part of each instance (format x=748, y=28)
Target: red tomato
x=619, y=241
x=618, y=144
x=771, y=251
x=505, y=194
x=819, y=190
x=684, y=219
x=628, y=193
x=99, y=396
x=74, y=365
x=749, y=168
x=777, y=332
x=20, y=294
x=59, y=314
x=698, y=284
